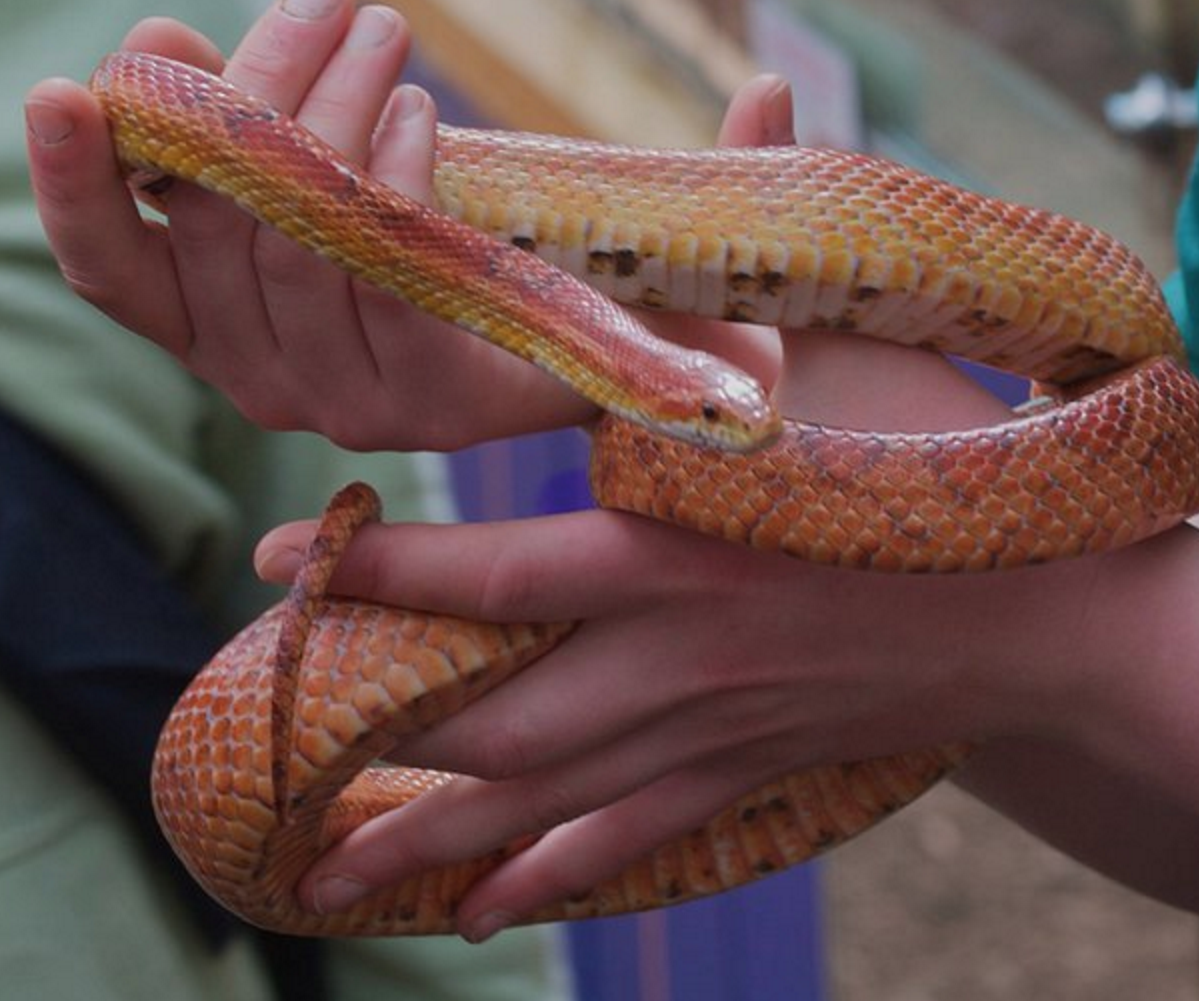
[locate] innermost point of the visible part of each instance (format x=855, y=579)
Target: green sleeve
x=200, y=483
x=121, y=409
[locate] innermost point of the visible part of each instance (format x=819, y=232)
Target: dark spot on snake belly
x=600, y=262
x=865, y=293
x=628, y=262
x=526, y=243
x=934, y=343
x=981, y=322
x=744, y=283
x=654, y=298
x=1092, y=356
x=773, y=282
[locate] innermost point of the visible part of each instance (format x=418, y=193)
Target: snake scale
x=267, y=758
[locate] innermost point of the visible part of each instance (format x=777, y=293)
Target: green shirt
x=201, y=483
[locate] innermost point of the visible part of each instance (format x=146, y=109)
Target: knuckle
x=551, y=805
x=356, y=429
x=262, y=405
x=323, y=109
x=86, y=282
x=406, y=856
x=566, y=879
x=351, y=437
x=509, y=587
x=504, y=752
x=258, y=65
x=280, y=263
x=200, y=225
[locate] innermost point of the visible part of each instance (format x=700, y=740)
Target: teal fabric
x=1182, y=287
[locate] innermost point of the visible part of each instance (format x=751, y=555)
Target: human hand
x=656, y=702
x=700, y=671
x=292, y=340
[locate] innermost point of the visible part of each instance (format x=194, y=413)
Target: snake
x=538, y=244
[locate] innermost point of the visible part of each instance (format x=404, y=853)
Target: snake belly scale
x=267, y=759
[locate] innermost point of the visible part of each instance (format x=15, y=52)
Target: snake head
x=724, y=409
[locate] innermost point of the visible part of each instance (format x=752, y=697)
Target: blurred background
x=1081, y=106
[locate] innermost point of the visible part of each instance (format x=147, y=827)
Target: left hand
x=293, y=341
x=699, y=671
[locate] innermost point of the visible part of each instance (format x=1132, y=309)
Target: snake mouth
x=710, y=425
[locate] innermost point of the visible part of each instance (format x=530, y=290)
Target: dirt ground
x=948, y=901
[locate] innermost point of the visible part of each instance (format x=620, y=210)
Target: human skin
x=700, y=669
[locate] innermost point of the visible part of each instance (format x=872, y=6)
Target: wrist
x=1139, y=692
x=1097, y=657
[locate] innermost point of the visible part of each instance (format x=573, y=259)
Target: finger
x=453, y=365
x=285, y=50
x=344, y=103
x=107, y=254
x=80, y=191
x=533, y=570
x=606, y=679
x=402, y=157
x=167, y=37
x=468, y=818
x=576, y=857
x=761, y=113
x=306, y=298
x=403, y=146
x=278, y=60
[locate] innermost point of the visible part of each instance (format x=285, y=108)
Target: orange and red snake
x=268, y=757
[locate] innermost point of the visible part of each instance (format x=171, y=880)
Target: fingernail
x=372, y=27
x=49, y=124
x=406, y=102
x=491, y=923
x=280, y=564
x=780, y=121
x=309, y=10
x=333, y=894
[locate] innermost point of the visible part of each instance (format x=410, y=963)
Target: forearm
x=1113, y=823
x=1080, y=679
x=1111, y=776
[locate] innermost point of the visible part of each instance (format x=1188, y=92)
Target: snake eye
x=710, y=411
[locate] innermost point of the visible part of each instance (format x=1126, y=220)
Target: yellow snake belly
x=266, y=760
